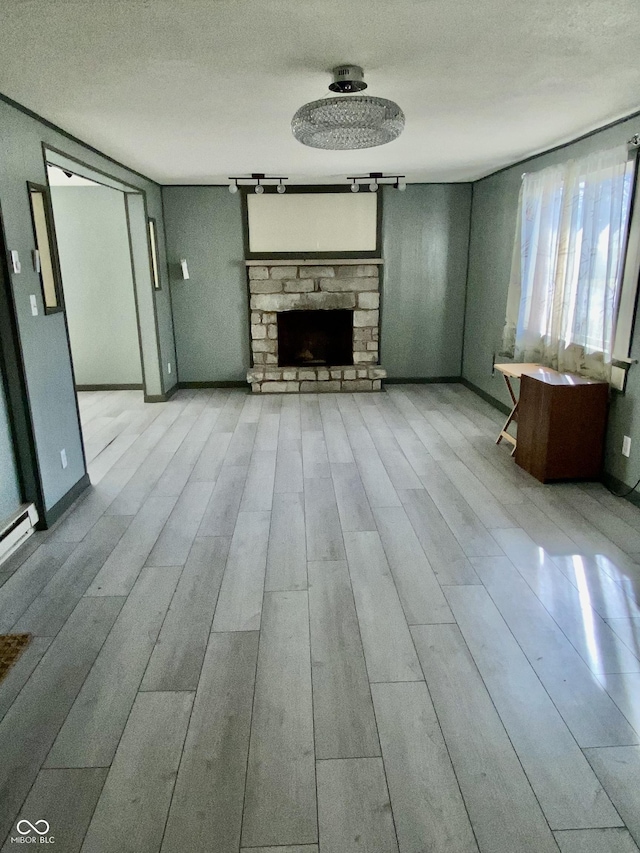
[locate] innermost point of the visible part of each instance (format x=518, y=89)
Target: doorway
x=97, y=280
x=107, y=284
x=98, y=292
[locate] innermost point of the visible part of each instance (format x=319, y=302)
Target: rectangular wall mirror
x=153, y=243
x=45, y=259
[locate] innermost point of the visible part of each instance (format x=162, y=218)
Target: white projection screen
x=312, y=222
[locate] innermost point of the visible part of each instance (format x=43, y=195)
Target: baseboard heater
x=16, y=530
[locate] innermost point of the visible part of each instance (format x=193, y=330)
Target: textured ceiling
x=196, y=90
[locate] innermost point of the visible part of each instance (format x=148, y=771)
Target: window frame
x=43, y=190
x=629, y=301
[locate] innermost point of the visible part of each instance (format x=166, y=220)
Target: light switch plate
x=184, y=267
x=34, y=305
x=626, y=445
x=15, y=261
x=63, y=457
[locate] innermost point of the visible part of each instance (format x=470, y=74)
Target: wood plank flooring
x=323, y=624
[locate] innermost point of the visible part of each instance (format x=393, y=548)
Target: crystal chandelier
x=356, y=121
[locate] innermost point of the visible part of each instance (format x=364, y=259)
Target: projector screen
x=312, y=222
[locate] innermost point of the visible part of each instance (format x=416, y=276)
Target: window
x=44, y=256
x=568, y=263
x=153, y=243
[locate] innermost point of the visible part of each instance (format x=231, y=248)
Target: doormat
x=11, y=647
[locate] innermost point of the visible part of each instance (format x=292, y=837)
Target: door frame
x=16, y=389
x=141, y=267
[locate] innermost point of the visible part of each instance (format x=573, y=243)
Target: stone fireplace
x=315, y=326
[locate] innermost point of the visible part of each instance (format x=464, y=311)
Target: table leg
x=512, y=417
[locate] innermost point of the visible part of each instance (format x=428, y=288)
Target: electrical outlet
x=63, y=458
x=626, y=445
x=34, y=305
x=169, y=367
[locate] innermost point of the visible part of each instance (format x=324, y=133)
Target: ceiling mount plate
x=348, y=78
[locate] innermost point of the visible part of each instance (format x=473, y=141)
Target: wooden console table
x=561, y=422
x=561, y=425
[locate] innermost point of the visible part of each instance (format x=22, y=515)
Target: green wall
x=43, y=339
x=93, y=244
x=425, y=253
x=425, y=239
x=204, y=225
x=495, y=203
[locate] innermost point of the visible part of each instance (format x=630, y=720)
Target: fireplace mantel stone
x=276, y=286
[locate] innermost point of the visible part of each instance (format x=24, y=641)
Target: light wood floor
x=326, y=623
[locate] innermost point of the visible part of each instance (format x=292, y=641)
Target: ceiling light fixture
x=375, y=179
x=346, y=123
x=259, y=178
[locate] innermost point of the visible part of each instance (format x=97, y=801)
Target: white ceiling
x=195, y=90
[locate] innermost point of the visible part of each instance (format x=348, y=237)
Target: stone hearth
x=279, y=286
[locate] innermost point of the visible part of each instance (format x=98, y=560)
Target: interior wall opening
x=93, y=243
x=97, y=280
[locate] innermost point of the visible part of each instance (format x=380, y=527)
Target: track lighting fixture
x=259, y=178
x=375, y=179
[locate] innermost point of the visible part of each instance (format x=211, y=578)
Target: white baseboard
x=16, y=530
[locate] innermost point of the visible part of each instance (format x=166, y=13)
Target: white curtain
x=567, y=263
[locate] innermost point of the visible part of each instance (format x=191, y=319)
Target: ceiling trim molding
x=562, y=145
x=26, y=111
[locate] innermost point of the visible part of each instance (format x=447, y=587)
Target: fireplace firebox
x=315, y=338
